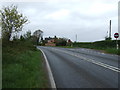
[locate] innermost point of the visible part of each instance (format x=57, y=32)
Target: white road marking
x=92, y=61
x=52, y=82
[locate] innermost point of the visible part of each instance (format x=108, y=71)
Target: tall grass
x=22, y=66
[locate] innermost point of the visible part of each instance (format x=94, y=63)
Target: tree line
x=12, y=23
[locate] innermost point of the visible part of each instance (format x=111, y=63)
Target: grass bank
x=107, y=46
x=22, y=66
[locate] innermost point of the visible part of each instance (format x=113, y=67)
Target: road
x=82, y=68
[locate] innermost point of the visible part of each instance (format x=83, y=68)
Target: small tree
x=11, y=21
x=27, y=35
x=108, y=38
x=55, y=38
x=37, y=35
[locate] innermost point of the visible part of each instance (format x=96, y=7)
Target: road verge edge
x=51, y=78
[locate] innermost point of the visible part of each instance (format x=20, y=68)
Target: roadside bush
x=61, y=42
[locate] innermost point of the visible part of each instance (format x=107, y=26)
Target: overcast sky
x=88, y=19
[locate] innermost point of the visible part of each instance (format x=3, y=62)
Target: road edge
x=51, y=78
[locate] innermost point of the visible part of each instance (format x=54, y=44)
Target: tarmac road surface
x=82, y=68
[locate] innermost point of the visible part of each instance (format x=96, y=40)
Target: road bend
x=82, y=68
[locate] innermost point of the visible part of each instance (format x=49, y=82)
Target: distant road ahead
x=82, y=68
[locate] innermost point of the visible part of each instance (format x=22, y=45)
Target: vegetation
x=61, y=42
x=108, y=38
x=37, y=35
x=57, y=41
x=12, y=21
x=22, y=66
x=109, y=46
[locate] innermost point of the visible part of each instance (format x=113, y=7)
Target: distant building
x=50, y=42
x=57, y=41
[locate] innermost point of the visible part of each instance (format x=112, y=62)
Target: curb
x=51, y=78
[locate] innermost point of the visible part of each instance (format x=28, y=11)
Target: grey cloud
x=88, y=27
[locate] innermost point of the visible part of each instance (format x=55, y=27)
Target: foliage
x=22, y=38
x=107, y=45
x=11, y=21
x=26, y=36
x=61, y=42
x=108, y=38
x=36, y=36
x=113, y=51
x=22, y=64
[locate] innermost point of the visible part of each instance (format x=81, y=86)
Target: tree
x=11, y=21
x=108, y=38
x=61, y=42
x=22, y=38
x=37, y=35
x=55, y=38
x=26, y=36
x=69, y=43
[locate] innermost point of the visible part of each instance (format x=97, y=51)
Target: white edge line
x=52, y=82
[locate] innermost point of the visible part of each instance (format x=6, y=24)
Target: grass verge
x=105, y=50
x=113, y=51
x=107, y=46
x=23, y=67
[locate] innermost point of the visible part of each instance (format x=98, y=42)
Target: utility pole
x=110, y=30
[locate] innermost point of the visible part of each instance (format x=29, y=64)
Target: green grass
x=113, y=51
x=23, y=67
x=108, y=46
x=105, y=46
